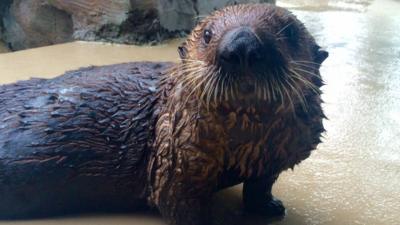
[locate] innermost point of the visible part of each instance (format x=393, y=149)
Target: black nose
x=240, y=49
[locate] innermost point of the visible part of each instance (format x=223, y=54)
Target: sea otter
x=242, y=105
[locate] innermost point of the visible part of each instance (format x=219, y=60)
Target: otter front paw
x=272, y=208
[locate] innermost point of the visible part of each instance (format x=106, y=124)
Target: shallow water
x=55, y=60
x=3, y=48
x=354, y=176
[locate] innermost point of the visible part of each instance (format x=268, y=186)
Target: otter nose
x=239, y=50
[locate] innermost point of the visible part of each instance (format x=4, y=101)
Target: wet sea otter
x=243, y=105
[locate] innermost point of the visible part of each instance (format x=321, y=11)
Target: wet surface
x=354, y=176
x=3, y=48
x=55, y=60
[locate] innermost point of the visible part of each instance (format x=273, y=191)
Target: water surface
x=54, y=60
x=3, y=48
x=354, y=176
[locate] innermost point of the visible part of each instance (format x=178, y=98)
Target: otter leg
x=257, y=197
x=183, y=190
x=185, y=211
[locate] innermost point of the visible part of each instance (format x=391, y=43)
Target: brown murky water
x=55, y=60
x=3, y=48
x=354, y=176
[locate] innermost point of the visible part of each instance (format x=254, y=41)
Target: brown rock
x=184, y=14
x=90, y=16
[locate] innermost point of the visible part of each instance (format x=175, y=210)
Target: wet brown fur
x=175, y=138
x=208, y=142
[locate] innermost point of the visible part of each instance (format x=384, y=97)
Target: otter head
x=254, y=52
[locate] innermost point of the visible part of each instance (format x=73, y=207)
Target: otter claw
x=273, y=208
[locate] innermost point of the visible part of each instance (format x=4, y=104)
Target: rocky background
x=33, y=23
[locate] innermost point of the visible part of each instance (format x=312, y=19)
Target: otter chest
x=243, y=139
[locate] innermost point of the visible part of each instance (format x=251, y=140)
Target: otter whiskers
x=284, y=85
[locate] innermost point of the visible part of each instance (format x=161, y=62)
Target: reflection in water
x=3, y=48
x=324, y=5
x=354, y=176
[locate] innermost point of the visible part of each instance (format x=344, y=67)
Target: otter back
x=76, y=142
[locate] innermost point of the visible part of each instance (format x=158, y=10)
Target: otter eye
x=207, y=36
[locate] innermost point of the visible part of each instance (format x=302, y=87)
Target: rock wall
x=34, y=23
x=183, y=14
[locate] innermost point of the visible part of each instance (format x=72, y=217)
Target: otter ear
x=182, y=50
x=321, y=55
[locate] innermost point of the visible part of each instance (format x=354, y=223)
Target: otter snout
x=240, y=50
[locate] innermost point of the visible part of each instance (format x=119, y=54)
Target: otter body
x=242, y=106
x=77, y=142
